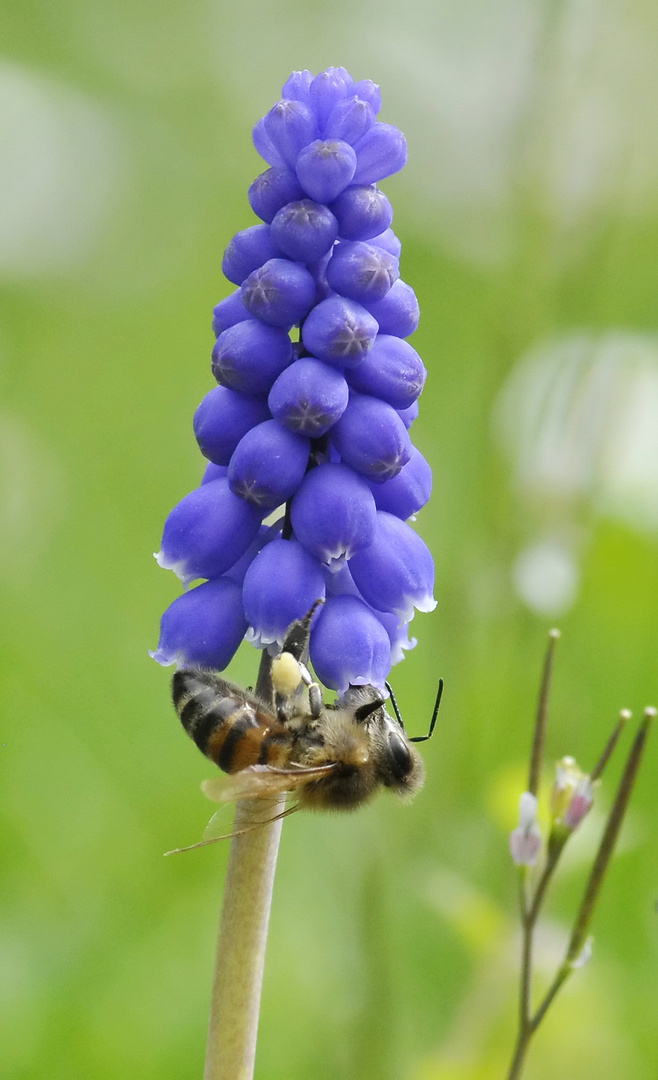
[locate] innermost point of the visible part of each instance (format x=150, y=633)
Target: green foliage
x=392, y=949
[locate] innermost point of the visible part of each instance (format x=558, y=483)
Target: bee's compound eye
x=401, y=763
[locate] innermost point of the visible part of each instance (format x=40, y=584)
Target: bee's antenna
x=396, y=710
x=435, y=713
x=439, y=695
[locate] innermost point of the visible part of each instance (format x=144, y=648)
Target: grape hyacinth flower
x=311, y=475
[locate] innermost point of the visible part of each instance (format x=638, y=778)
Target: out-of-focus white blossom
x=525, y=841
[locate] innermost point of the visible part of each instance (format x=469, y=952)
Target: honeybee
x=334, y=757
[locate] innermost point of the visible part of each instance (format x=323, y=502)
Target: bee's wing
x=216, y=825
x=260, y=781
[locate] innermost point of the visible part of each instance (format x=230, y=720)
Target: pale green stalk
x=240, y=957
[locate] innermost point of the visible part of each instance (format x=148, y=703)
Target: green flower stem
x=529, y=915
x=608, y=840
x=240, y=957
x=597, y=771
x=528, y=1023
x=541, y=720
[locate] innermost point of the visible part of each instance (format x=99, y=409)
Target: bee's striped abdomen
x=229, y=730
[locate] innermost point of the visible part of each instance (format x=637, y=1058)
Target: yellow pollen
x=286, y=674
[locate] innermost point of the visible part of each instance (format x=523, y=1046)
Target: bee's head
x=399, y=765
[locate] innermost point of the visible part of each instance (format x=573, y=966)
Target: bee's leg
x=298, y=635
x=315, y=699
x=264, y=686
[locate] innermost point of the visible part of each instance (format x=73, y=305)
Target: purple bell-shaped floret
x=249, y=356
x=309, y=397
x=349, y=645
x=405, y=494
x=371, y=437
x=281, y=585
x=203, y=627
x=362, y=212
x=325, y=168
x=207, y=532
x=273, y=189
x=396, y=572
x=280, y=293
x=339, y=331
x=392, y=371
x=268, y=464
x=221, y=420
x=333, y=513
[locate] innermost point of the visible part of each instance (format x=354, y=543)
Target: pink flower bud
x=572, y=794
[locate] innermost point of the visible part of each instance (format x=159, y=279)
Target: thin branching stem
x=597, y=771
x=541, y=719
x=608, y=840
x=529, y=913
x=529, y=1022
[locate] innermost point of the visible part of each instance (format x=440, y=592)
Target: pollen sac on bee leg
x=286, y=674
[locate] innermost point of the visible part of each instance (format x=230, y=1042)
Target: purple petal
x=381, y=152
x=371, y=437
x=396, y=573
x=279, y=293
x=309, y=397
x=248, y=250
x=281, y=585
x=207, y=532
x=349, y=646
x=407, y=492
x=213, y=472
x=326, y=90
x=333, y=513
x=265, y=146
x=228, y=312
x=298, y=86
x=304, y=230
x=324, y=168
x=249, y=356
x=392, y=371
x=349, y=120
x=388, y=241
x=361, y=271
x=203, y=627
x=408, y=416
x=339, y=331
x=268, y=464
x=362, y=212
x=273, y=189
x=290, y=125
x=368, y=91
x=223, y=418
x=398, y=313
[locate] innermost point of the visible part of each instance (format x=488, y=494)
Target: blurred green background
x=529, y=218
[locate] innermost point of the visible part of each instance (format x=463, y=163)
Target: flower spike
x=317, y=388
